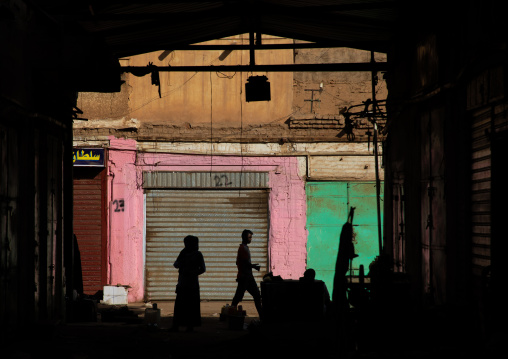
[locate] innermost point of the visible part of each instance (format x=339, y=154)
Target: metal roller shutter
x=89, y=226
x=218, y=218
x=481, y=193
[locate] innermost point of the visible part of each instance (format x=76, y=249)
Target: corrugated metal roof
x=130, y=28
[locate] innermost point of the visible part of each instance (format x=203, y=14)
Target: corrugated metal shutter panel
x=88, y=230
x=481, y=193
x=164, y=179
x=218, y=218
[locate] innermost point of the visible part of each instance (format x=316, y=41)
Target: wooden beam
x=333, y=67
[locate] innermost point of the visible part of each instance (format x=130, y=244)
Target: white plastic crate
x=114, y=295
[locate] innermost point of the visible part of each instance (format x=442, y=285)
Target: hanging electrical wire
x=241, y=129
x=211, y=126
x=222, y=75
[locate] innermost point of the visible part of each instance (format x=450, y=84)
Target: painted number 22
x=222, y=181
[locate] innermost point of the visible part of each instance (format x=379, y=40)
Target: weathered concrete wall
x=340, y=89
x=211, y=106
x=197, y=98
x=287, y=204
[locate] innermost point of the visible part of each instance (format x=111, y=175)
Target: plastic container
x=224, y=313
x=153, y=316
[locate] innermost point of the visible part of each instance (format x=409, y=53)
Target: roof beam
x=334, y=67
x=288, y=46
x=320, y=13
x=237, y=7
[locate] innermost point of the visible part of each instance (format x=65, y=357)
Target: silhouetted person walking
x=190, y=264
x=245, y=278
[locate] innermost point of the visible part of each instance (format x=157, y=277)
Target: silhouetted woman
x=190, y=264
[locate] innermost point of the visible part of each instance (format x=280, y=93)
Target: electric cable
x=241, y=127
x=211, y=125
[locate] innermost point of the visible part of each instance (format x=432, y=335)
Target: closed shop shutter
x=328, y=205
x=89, y=226
x=481, y=192
x=218, y=218
x=489, y=192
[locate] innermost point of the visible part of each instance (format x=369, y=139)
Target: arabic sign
x=89, y=157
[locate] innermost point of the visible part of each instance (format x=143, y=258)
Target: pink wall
x=287, y=203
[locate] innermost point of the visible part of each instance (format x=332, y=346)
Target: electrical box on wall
x=257, y=88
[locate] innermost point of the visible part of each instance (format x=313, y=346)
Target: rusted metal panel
x=481, y=183
x=205, y=179
x=328, y=205
x=481, y=164
x=218, y=219
x=484, y=185
x=89, y=227
x=486, y=87
x=481, y=153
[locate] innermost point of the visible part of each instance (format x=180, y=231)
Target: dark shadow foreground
x=285, y=339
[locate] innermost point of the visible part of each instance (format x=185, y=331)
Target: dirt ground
x=121, y=332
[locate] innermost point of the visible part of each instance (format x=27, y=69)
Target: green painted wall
x=328, y=205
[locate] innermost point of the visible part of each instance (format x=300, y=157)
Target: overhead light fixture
x=257, y=88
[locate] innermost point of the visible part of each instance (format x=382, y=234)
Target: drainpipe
x=402, y=228
x=307, y=165
x=110, y=234
x=375, y=143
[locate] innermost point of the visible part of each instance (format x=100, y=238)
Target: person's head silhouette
x=191, y=243
x=246, y=236
x=309, y=275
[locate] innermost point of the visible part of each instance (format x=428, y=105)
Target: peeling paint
x=287, y=237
